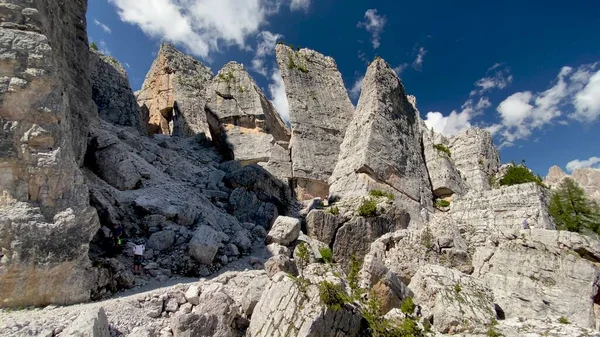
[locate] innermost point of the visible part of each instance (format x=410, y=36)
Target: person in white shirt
x=138, y=257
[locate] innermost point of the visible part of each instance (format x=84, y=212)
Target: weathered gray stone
x=162, y=240
x=284, y=308
x=284, y=231
x=445, y=178
x=323, y=225
x=320, y=111
x=456, y=301
x=112, y=93
x=499, y=213
x=391, y=291
x=140, y=332
x=543, y=272
x=382, y=145
x=475, y=157
x=91, y=323
x=280, y=263
x=204, y=245
x=46, y=111
x=174, y=93
x=191, y=295
x=154, y=307
x=243, y=122
x=277, y=249
x=246, y=206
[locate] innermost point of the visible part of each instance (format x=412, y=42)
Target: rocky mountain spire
x=382, y=146
x=243, y=122
x=174, y=94
x=320, y=111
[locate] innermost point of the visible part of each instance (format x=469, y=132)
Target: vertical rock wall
x=46, y=222
x=382, y=145
x=320, y=111
x=174, y=94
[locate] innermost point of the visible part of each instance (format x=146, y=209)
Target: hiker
x=138, y=257
x=525, y=224
x=117, y=231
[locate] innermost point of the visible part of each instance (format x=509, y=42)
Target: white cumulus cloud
x=374, y=24
x=104, y=27
x=498, y=77
x=278, y=96
x=202, y=26
x=578, y=164
x=356, y=87
x=296, y=5
x=574, y=95
x=266, y=46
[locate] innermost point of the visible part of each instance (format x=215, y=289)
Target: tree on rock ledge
x=571, y=209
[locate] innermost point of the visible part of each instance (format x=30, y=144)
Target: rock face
x=446, y=180
x=320, y=111
x=112, y=93
x=457, y=302
x=475, y=157
x=242, y=121
x=285, y=309
x=46, y=108
x=587, y=178
x=92, y=323
x=494, y=214
x=285, y=230
x=174, y=93
x=382, y=146
x=556, y=274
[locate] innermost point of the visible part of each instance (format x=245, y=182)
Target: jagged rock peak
x=382, y=146
x=112, y=93
x=588, y=178
x=555, y=176
x=174, y=94
x=320, y=111
x=243, y=122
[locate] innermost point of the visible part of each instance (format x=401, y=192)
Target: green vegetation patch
x=520, y=174
x=442, y=148
x=380, y=193
x=326, y=254
x=367, y=208
x=572, y=210
x=332, y=296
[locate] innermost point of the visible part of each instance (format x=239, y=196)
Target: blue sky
x=527, y=70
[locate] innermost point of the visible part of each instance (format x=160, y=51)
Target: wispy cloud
x=418, y=62
x=265, y=47
x=498, y=77
x=356, y=87
x=593, y=162
x=297, y=5
x=399, y=69
x=104, y=27
x=278, y=96
x=374, y=24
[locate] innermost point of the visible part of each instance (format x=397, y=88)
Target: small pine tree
x=94, y=46
x=571, y=209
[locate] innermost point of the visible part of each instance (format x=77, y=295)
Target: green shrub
x=353, y=276
x=441, y=203
x=563, y=320
x=227, y=77
x=303, y=256
x=457, y=288
x=301, y=282
x=367, y=208
x=408, y=328
x=493, y=181
x=408, y=306
x=519, y=174
x=94, y=46
x=326, y=254
x=332, y=296
x=493, y=333
x=333, y=210
x=442, y=148
x=380, y=193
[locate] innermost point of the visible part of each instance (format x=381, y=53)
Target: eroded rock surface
x=320, y=111
x=46, y=108
x=446, y=180
x=174, y=93
x=243, y=122
x=382, y=145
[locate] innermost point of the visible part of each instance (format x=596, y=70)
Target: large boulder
x=284, y=231
x=174, y=93
x=243, y=122
x=204, y=244
x=446, y=180
x=288, y=308
x=475, y=157
x=323, y=225
x=543, y=272
x=162, y=240
x=112, y=93
x=382, y=146
x=457, y=302
x=495, y=214
x=90, y=323
x=46, y=109
x=320, y=111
